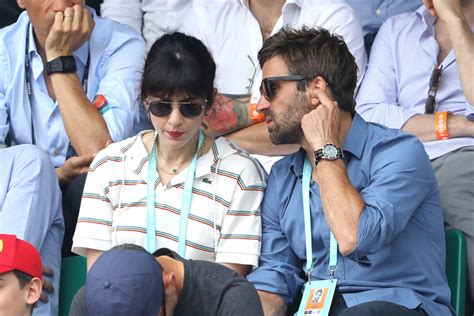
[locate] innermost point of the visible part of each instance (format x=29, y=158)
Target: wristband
x=441, y=125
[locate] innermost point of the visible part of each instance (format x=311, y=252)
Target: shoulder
x=404, y=21
x=115, y=152
x=321, y=13
x=400, y=150
x=237, y=160
x=109, y=36
x=12, y=42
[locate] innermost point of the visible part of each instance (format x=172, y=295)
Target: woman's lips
x=175, y=134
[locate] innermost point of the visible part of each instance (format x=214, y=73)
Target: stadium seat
x=73, y=277
x=456, y=269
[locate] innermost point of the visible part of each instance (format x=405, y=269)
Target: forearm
x=255, y=140
x=227, y=115
x=272, y=304
x=84, y=125
x=423, y=127
x=341, y=203
x=241, y=269
x=462, y=40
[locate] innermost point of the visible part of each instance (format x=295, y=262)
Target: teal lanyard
x=307, y=171
x=185, y=204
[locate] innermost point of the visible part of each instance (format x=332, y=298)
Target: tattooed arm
x=229, y=114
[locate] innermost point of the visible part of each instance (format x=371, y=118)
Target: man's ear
x=21, y=3
x=169, y=281
x=33, y=292
x=171, y=295
x=317, y=83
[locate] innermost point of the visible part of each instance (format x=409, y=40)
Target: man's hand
x=47, y=286
x=73, y=167
x=443, y=8
x=322, y=125
x=70, y=31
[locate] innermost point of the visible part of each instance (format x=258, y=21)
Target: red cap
x=17, y=254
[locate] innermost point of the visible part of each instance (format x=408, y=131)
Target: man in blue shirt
x=399, y=91
x=372, y=188
x=68, y=82
x=30, y=208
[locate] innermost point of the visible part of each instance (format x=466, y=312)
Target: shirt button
x=378, y=12
x=57, y=152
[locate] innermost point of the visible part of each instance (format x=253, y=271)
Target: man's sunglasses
x=269, y=87
x=434, y=82
x=187, y=109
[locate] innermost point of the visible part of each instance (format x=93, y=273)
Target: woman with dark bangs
x=172, y=186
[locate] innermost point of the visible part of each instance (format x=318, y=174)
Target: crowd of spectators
x=241, y=133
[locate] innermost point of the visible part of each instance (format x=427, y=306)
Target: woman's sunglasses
x=269, y=86
x=187, y=109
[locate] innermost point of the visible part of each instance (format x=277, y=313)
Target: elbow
x=347, y=245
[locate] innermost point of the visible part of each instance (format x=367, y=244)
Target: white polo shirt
x=224, y=213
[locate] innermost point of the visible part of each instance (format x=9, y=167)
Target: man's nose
x=262, y=104
x=61, y=5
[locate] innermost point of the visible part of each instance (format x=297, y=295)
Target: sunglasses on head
x=191, y=108
x=268, y=88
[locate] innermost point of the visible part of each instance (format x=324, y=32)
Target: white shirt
x=152, y=18
x=231, y=32
x=224, y=218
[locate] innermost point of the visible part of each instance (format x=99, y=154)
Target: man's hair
x=315, y=52
x=130, y=247
x=179, y=63
x=23, y=278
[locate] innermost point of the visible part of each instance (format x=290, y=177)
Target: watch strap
x=62, y=64
x=319, y=154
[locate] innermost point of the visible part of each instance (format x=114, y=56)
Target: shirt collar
x=353, y=144
x=424, y=15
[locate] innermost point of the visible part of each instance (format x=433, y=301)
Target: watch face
x=330, y=152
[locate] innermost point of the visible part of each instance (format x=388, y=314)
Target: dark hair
x=129, y=247
x=23, y=278
x=178, y=63
x=315, y=52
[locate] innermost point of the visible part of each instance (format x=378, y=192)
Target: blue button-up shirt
x=117, y=56
x=396, y=82
x=400, y=252
x=372, y=13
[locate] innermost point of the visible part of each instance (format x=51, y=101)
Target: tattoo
x=227, y=114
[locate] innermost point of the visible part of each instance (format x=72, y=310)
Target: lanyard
x=307, y=170
x=85, y=81
x=185, y=202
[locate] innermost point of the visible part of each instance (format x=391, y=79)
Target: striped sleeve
x=241, y=232
x=94, y=224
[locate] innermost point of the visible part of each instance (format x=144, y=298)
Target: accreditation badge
x=317, y=298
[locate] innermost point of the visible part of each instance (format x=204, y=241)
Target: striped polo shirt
x=224, y=218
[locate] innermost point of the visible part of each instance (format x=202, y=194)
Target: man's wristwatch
x=62, y=64
x=327, y=152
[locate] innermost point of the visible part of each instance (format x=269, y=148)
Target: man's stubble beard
x=288, y=128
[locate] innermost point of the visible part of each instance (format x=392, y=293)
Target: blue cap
x=124, y=282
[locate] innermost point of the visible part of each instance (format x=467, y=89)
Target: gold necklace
x=175, y=171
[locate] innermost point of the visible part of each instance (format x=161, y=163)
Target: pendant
x=174, y=171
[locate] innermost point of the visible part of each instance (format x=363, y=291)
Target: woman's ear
x=33, y=291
